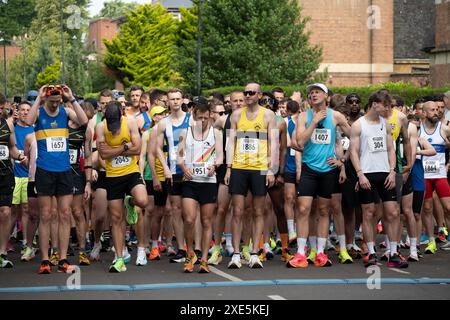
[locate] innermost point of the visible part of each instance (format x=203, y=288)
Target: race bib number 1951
x=4, y=153
x=56, y=144
x=321, y=136
x=249, y=145
x=199, y=169
x=121, y=161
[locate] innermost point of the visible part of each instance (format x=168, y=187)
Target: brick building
x=440, y=54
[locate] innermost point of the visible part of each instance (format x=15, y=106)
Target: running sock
x=388, y=244
x=228, y=240
x=393, y=247
x=341, y=239
x=321, y=242
x=371, y=247
x=284, y=240
x=413, y=243
x=154, y=243
x=301, y=243
x=313, y=242
x=290, y=223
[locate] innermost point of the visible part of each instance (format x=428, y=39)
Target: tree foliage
x=116, y=9
x=250, y=41
x=49, y=75
x=15, y=17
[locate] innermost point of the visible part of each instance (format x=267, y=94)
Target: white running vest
x=434, y=166
x=373, y=147
x=200, y=154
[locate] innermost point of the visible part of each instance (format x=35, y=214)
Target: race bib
x=377, y=144
x=431, y=166
x=345, y=143
x=321, y=136
x=73, y=156
x=249, y=145
x=56, y=144
x=20, y=152
x=4, y=153
x=173, y=153
x=292, y=152
x=199, y=169
x=121, y=161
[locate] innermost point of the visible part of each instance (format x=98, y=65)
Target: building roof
x=176, y=3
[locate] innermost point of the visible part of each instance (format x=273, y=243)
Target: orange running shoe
x=45, y=268
x=154, y=254
x=322, y=261
x=203, y=267
x=189, y=263
x=298, y=261
x=286, y=255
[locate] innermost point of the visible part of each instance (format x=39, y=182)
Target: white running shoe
x=235, y=262
x=329, y=246
x=254, y=262
x=141, y=259
x=28, y=254
x=95, y=253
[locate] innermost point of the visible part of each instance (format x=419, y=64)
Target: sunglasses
x=220, y=113
x=354, y=101
x=250, y=93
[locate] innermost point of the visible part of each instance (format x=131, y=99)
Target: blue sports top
x=21, y=133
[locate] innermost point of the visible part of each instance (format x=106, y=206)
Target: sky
x=97, y=5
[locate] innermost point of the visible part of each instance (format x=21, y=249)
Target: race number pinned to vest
x=321, y=136
x=249, y=145
x=56, y=144
x=377, y=144
x=292, y=152
x=345, y=143
x=199, y=169
x=4, y=152
x=121, y=161
x=431, y=166
x=73, y=153
x=173, y=153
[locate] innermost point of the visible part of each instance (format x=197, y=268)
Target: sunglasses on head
x=250, y=93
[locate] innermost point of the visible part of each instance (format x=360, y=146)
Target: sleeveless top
x=77, y=138
x=434, y=166
x=5, y=160
x=172, y=136
x=290, y=166
x=21, y=133
x=373, y=147
x=200, y=154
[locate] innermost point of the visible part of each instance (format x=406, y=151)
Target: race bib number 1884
x=431, y=166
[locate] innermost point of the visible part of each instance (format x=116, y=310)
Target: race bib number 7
x=121, y=161
x=56, y=144
x=4, y=153
x=321, y=136
x=249, y=145
x=377, y=144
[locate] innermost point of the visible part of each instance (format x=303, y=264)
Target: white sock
x=313, y=242
x=408, y=239
x=432, y=238
x=125, y=251
x=393, y=247
x=388, y=244
x=141, y=249
x=301, y=243
x=228, y=240
x=341, y=239
x=267, y=247
x=349, y=246
x=413, y=243
x=154, y=243
x=290, y=223
x=321, y=242
x=371, y=247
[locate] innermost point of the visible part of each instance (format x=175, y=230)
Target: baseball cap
x=32, y=95
x=321, y=86
x=157, y=110
x=113, y=115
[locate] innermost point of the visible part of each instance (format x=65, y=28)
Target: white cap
x=317, y=85
x=447, y=94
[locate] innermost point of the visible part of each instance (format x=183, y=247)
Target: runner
x=199, y=154
x=53, y=176
x=253, y=137
x=119, y=144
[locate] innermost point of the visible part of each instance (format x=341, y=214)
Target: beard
x=433, y=120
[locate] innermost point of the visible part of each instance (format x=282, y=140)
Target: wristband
x=87, y=167
x=73, y=100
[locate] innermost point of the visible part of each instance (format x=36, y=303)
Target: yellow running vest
x=251, y=151
x=120, y=165
x=395, y=126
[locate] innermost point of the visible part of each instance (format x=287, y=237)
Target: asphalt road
x=428, y=279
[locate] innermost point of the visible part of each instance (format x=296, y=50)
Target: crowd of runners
x=250, y=176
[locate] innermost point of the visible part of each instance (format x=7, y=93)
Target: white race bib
x=56, y=144
x=73, y=156
x=431, y=166
x=121, y=161
x=321, y=136
x=173, y=153
x=292, y=152
x=199, y=169
x=377, y=144
x=249, y=145
x=4, y=152
x=345, y=143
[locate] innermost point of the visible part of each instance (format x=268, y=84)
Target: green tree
x=15, y=17
x=49, y=75
x=143, y=51
x=250, y=40
x=116, y=9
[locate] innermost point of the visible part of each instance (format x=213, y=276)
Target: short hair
x=215, y=102
x=2, y=99
x=399, y=100
x=427, y=99
x=88, y=108
x=439, y=97
x=174, y=90
x=277, y=89
x=337, y=100
x=343, y=109
x=106, y=93
x=380, y=97
x=24, y=102
x=202, y=107
x=218, y=96
x=136, y=87
x=292, y=106
x=156, y=94
x=144, y=95
x=236, y=92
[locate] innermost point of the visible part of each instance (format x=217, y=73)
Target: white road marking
x=277, y=297
x=400, y=271
x=223, y=274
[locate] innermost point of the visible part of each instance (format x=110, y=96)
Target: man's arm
x=134, y=147
x=406, y=143
x=142, y=157
x=273, y=141
x=151, y=154
x=232, y=138
x=218, y=135
x=355, y=133
x=88, y=155
x=13, y=151
x=341, y=121
x=30, y=151
x=283, y=146
x=413, y=138
x=390, y=149
x=77, y=115
x=160, y=145
x=104, y=150
x=33, y=113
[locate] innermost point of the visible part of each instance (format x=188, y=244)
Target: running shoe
x=54, y=258
x=229, y=251
x=203, y=267
x=358, y=236
x=65, y=267
x=419, y=253
x=344, y=257
x=118, y=266
x=269, y=255
x=198, y=253
x=322, y=261
x=141, y=259
x=215, y=258
x=235, y=262
x=424, y=238
x=298, y=261
x=413, y=257
x=132, y=215
x=45, y=267
x=162, y=247
x=445, y=246
x=431, y=248
x=386, y=255
x=171, y=252
x=370, y=260
x=95, y=252
x=179, y=257
x=364, y=248
x=245, y=254
x=255, y=262
x=312, y=256
x=28, y=254
x=329, y=246
x=154, y=254
x=442, y=235
x=105, y=240
x=273, y=243
x=83, y=259
x=279, y=248
x=189, y=263
x=354, y=253
x=396, y=262
x=292, y=238
x=286, y=255
x=333, y=236
x=5, y=263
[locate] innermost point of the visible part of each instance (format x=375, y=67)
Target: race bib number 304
x=377, y=144
x=431, y=166
x=321, y=136
x=56, y=144
x=4, y=153
x=121, y=161
x=249, y=145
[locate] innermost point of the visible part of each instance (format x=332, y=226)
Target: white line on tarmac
x=277, y=297
x=223, y=274
x=400, y=271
